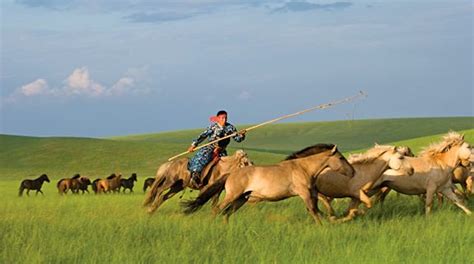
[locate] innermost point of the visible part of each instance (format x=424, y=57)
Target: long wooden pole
x=322, y=106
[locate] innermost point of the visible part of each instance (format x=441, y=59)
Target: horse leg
x=226, y=203
x=352, y=210
x=28, y=192
x=41, y=192
x=365, y=199
x=310, y=198
x=159, y=196
x=327, y=205
x=429, y=199
x=215, y=203
x=453, y=198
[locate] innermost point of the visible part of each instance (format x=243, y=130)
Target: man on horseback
x=218, y=129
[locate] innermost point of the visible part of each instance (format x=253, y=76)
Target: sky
x=103, y=68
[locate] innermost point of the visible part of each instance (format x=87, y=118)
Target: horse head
x=44, y=177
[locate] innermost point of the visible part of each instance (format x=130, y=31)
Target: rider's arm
x=240, y=136
x=206, y=133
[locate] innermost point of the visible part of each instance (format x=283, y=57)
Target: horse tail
x=236, y=204
x=59, y=182
x=191, y=206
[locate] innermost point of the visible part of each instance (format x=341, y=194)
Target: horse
x=94, y=185
x=35, y=184
x=148, y=183
x=175, y=176
x=369, y=167
x=84, y=182
x=464, y=176
x=128, y=183
x=112, y=183
x=433, y=172
x=294, y=176
x=66, y=184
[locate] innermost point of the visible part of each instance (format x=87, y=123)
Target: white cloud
x=245, y=95
x=122, y=86
x=38, y=87
x=80, y=83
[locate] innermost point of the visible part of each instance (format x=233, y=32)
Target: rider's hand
x=242, y=132
x=191, y=148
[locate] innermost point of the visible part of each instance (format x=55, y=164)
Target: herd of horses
x=78, y=183
x=318, y=173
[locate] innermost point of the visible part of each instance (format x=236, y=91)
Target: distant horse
x=66, y=184
x=433, y=172
x=174, y=176
x=112, y=183
x=128, y=183
x=84, y=182
x=33, y=185
x=148, y=183
x=294, y=176
x=94, y=185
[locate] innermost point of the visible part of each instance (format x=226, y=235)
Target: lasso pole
x=322, y=106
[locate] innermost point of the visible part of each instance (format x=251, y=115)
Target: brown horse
x=66, y=184
x=148, y=183
x=294, y=176
x=369, y=167
x=112, y=183
x=433, y=172
x=175, y=176
x=35, y=184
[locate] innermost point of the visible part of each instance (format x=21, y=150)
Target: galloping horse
x=35, y=184
x=175, y=176
x=66, y=184
x=148, y=183
x=433, y=172
x=294, y=176
x=112, y=183
x=128, y=183
x=369, y=167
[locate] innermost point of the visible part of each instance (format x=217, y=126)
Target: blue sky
x=101, y=68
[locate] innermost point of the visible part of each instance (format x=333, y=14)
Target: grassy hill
x=61, y=157
x=115, y=229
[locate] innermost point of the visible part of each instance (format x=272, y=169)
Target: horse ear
x=377, y=144
x=334, y=149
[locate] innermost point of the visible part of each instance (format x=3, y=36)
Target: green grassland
x=115, y=228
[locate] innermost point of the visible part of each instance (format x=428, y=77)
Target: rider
x=218, y=129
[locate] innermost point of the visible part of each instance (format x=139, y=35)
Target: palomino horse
x=464, y=175
x=369, y=167
x=128, y=183
x=433, y=172
x=148, y=183
x=112, y=183
x=294, y=176
x=35, y=184
x=175, y=176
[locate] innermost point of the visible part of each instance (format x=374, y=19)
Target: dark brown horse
x=128, y=183
x=35, y=184
x=84, y=182
x=148, y=183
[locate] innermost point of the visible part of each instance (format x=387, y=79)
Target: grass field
x=114, y=228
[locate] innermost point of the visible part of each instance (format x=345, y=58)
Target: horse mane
x=449, y=140
x=311, y=150
x=111, y=176
x=76, y=176
x=370, y=155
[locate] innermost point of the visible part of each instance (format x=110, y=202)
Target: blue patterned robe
x=204, y=155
